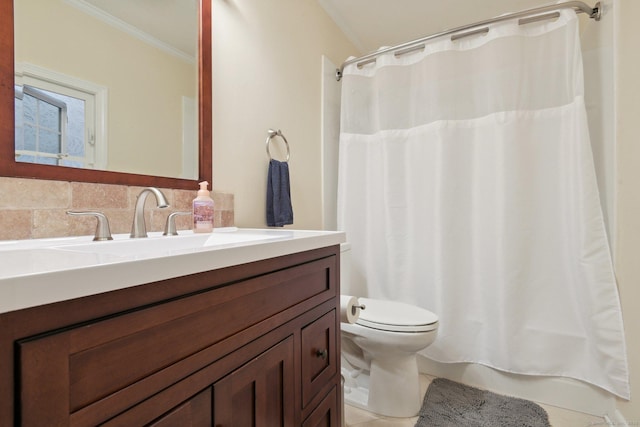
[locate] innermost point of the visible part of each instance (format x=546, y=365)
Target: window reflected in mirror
x=53, y=128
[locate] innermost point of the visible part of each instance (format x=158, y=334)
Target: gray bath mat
x=451, y=404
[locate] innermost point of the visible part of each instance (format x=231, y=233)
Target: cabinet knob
x=322, y=353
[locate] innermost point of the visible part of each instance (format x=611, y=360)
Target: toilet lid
x=396, y=316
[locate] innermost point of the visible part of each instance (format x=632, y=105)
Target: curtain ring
x=273, y=133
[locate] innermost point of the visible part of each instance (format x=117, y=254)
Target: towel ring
x=273, y=133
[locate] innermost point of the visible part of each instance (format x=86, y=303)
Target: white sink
x=157, y=245
x=14, y=245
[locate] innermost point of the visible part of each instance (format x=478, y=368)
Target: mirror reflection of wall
x=138, y=92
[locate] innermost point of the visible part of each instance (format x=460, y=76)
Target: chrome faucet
x=139, y=228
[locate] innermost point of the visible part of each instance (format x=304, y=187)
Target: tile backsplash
x=34, y=208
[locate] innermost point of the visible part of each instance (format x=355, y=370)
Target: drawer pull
x=322, y=354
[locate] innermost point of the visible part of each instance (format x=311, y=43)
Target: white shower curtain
x=467, y=187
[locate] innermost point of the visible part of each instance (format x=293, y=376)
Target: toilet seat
x=395, y=316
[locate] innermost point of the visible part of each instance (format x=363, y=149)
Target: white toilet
x=379, y=363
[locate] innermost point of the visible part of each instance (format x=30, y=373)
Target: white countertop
x=42, y=271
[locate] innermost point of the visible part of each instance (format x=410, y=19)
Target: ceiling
x=172, y=22
x=370, y=24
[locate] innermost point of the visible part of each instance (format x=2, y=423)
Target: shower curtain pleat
x=467, y=187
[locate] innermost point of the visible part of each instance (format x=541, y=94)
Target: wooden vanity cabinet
x=249, y=345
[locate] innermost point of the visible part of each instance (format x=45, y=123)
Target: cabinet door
x=326, y=413
x=319, y=355
x=196, y=412
x=260, y=393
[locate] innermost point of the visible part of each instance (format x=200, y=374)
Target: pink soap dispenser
x=203, y=210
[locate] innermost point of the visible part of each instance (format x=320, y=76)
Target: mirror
x=131, y=153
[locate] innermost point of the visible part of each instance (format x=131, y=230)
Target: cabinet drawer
x=78, y=370
x=319, y=355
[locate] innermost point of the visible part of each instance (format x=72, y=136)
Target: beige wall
x=628, y=186
x=145, y=84
x=267, y=58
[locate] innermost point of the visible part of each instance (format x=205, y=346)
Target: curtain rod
x=579, y=7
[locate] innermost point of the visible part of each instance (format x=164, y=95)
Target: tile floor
x=355, y=417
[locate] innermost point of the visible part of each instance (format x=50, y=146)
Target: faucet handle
x=102, y=227
x=170, y=226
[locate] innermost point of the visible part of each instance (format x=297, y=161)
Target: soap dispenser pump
x=203, y=210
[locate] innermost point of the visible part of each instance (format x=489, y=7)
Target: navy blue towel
x=279, y=210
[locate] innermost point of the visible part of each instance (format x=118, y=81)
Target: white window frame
x=42, y=96
x=96, y=148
